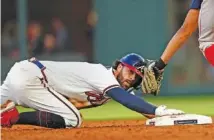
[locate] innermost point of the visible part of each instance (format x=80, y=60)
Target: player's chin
x=126, y=87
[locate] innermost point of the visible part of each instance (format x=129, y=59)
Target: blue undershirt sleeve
x=196, y=4
x=131, y=101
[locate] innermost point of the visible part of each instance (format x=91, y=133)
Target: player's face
x=126, y=77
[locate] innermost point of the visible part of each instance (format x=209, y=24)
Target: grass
x=203, y=105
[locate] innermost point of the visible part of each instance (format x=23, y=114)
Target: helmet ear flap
x=115, y=64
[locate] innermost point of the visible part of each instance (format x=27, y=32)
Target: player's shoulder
x=102, y=78
x=99, y=68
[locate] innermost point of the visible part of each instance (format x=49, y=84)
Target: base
x=185, y=119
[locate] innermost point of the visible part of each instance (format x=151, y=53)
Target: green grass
x=112, y=111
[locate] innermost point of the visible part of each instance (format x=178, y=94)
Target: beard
x=122, y=81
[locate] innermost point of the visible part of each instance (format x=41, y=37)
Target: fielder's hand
x=151, y=82
x=164, y=111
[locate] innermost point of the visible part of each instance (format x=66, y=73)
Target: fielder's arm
x=189, y=26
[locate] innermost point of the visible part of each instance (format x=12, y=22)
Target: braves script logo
x=96, y=99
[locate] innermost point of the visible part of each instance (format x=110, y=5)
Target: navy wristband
x=160, y=64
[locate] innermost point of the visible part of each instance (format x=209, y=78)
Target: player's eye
x=131, y=72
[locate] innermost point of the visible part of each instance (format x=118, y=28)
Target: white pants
x=23, y=86
x=204, y=45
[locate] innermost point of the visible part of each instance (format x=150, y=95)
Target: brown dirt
x=112, y=130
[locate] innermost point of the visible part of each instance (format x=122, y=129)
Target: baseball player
x=201, y=15
x=58, y=90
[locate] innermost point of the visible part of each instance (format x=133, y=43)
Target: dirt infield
x=111, y=130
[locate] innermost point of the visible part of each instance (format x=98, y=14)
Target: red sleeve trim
x=110, y=87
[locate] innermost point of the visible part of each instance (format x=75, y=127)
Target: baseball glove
x=151, y=82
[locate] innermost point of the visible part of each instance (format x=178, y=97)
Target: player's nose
x=132, y=77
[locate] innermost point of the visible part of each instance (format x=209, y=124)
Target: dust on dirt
x=111, y=130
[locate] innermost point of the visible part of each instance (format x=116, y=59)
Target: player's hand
x=164, y=111
x=151, y=82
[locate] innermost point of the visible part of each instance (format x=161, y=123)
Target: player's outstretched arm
x=189, y=26
x=139, y=105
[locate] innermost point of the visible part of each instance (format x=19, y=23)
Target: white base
x=185, y=119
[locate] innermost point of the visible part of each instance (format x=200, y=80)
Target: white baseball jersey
x=206, y=24
x=84, y=83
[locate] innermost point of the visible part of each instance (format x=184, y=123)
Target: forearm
x=139, y=105
x=80, y=104
x=132, y=102
x=189, y=26
x=175, y=44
